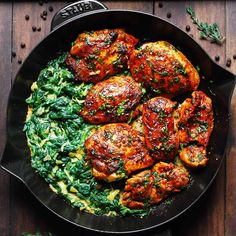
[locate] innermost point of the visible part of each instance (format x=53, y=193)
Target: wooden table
x=214, y=214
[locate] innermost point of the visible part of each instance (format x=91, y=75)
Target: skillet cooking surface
x=218, y=85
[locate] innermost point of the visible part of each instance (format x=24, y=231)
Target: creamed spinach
x=56, y=134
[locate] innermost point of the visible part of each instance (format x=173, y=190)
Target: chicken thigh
x=112, y=100
x=115, y=151
x=159, y=128
x=151, y=186
x=96, y=55
x=164, y=69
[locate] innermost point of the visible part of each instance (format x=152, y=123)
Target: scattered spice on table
x=207, y=31
x=168, y=15
x=160, y=4
x=228, y=62
x=22, y=45
x=217, y=58
x=43, y=16
x=187, y=28
x=50, y=8
x=34, y=28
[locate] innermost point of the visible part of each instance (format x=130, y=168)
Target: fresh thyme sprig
x=208, y=31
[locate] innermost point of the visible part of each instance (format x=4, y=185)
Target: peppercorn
x=27, y=17
x=41, y=3
x=34, y=28
x=50, y=8
x=160, y=4
x=217, y=58
x=39, y=29
x=168, y=15
x=234, y=56
x=228, y=62
x=19, y=61
x=13, y=54
x=45, y=13
x=22, y=45
x=187, y=28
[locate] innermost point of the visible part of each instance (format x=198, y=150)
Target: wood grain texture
x=230, y=221
x=201, y=8
x=5, y=84
x=145, y=6
x=22, y=29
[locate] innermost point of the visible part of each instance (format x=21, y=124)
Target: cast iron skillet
x=67, y=23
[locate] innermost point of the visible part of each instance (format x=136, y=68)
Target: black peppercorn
x=50, y=8
x=45, y=13
x=34, y=28
x=13, y=54
x=27, y=17
x=43, y=16
x=234, y=56
x=41, y=3
x=217, y=58
x=187, y=28
x=22, y=45
x=168, y=15
x=19, y=61
x=160, y=4
x=39, y=29
x=228, y=62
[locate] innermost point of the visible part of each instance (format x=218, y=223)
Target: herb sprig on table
x=208, y=31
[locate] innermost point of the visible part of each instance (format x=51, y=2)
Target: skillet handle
x=74, y=10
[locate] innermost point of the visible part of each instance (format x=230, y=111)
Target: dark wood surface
x=214, y=214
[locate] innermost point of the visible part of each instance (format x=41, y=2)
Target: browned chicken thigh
x=164, y=69
x=99, y=54
x=115, y=151
x=194, y=156
x=195, y=126
x=159, y=129
x=112, y=100
x=196, y=119
x=151, y=186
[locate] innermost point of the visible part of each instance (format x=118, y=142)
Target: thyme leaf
x=207, y=31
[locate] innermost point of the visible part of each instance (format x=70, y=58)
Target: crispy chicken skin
x=99, y=54
x=196, y=119
x=194, y=156
x=164, y=69
x=151, y=186
x=115, y=151
x=112, y=100
x=159, y=129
